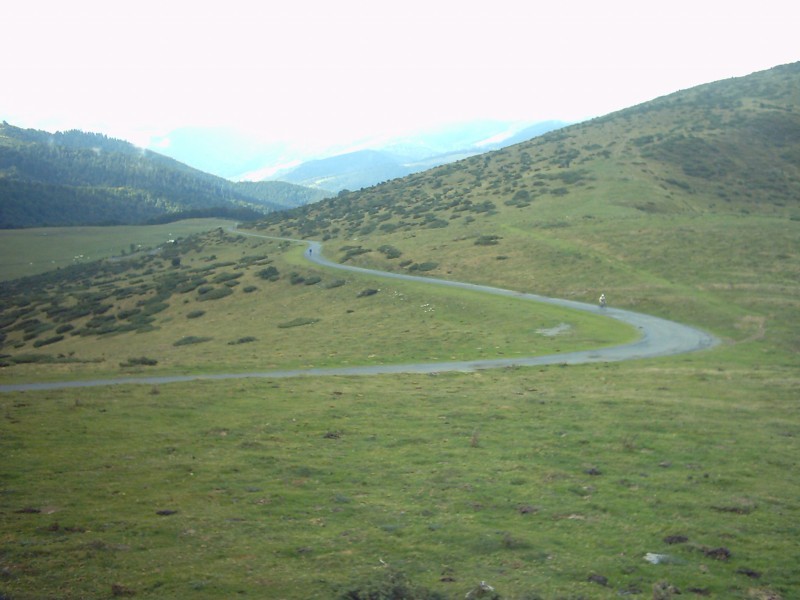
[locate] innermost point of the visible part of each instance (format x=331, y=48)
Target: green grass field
x=30, y=251
x=552, y=482
x=532, y=480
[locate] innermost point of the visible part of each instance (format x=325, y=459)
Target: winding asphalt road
x=659, y=337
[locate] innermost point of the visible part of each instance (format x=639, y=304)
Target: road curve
x=659, y=337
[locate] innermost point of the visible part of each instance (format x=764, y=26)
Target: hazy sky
x=320, y=72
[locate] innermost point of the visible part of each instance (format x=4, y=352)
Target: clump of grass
x=298, y=322
x=195, y=314
x=242, y=340
x=389, y=584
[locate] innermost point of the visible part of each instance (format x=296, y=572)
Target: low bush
x=242, y=340
x=215, y=294
x=426, y=266
x=195, y=314
x=488, y=240
x=270, y=274
x=141, y=361
x=222, y=277
x=191, y=339
x=48, y=341
x=390, y=251
x=389, y=585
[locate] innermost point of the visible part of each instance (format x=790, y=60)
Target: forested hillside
x=77, y=178
x=283, y=193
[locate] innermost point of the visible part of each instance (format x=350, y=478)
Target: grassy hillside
x=25, y=252
x=595, y=481
x=688, y=206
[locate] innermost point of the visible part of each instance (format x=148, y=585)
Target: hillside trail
x=658, y=337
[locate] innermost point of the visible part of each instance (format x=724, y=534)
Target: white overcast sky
x=317, y=72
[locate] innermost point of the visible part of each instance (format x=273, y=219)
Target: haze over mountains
x=239, y=156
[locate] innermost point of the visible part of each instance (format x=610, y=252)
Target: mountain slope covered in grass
x=692, y=189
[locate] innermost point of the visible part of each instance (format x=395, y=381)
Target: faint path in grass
x=659, y=337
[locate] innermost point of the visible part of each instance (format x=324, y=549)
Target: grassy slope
x=25, y=252
x=427, y=323
x=531, y=479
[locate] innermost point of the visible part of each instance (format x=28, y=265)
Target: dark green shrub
x=141, y=361
x=227, y=277
x=250, y=288
x=270, y=274
x=190, y=285
x=195, y=314
x=488, y=240
x=367, y=292
x=390, y=585
x=335, y=283
x=216, y=294
x=426, y=266
x=191, y=339
x=65, y=328
x=50, y=340
x=152, y=308
x=314, y=279
x=390, y=251
x=242, y=340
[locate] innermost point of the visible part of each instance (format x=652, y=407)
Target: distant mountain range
x=239, y=156
x=78, y=178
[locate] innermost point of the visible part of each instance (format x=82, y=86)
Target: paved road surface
x=659, y=337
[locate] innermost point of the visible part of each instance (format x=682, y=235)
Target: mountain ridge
x=404, y=156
